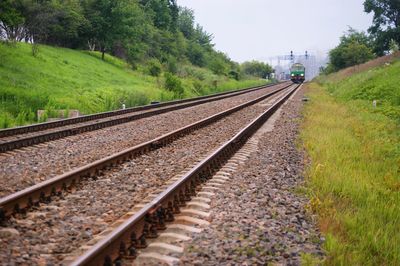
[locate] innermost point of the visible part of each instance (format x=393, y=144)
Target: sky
x=260, y=29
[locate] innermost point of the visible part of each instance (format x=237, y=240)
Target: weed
x=35, y=49
x=309, y=260
x=353, y=178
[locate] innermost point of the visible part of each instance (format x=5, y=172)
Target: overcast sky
x=259, y=29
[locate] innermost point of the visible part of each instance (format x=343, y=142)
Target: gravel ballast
x=23, y=168
x=52, y=231
x=259, y=218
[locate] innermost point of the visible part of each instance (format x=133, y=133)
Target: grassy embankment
x=59, y=78
x=354, y=176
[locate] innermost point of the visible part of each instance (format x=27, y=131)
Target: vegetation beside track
x=354, y=176
x=61, y=78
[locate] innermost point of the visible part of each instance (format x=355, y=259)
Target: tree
x=186, y=22
x=256, y=69
x=203, y=38
x=164, y=13
x=351, y=54
x=53, y=22
x=110, y=21
x=218, y=65
x=174, y=11
x=196, y=54
x=386, y=23
x=67, y=19
x=11, y=21
x=354, y=48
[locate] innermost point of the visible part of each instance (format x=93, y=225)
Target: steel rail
x=62, y=133
x=132, y=234
x=42, y=192
x=85, y=118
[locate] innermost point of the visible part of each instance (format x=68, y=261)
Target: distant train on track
x=297, y=73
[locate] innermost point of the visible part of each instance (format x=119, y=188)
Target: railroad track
x=15, y=138
x=44, y=193
x=31, y=165
x=152, y=218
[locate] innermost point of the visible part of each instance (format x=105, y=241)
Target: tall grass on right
x=354, y=178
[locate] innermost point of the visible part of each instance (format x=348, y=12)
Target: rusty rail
x=42, y=192
x=85, y=118
x=160, y=109
x=132, y=234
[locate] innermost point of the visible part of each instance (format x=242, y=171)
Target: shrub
x=234, y=74
x=172, y=65
x=43, y=118
x=6, y=120
x=20, y=120
x=173, y=83
x=154, y=68
x=35, y=49
x=198, y=87
x=135, y=98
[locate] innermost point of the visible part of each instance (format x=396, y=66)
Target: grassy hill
x=60, y=78
x=378, y=80
x=354, y=179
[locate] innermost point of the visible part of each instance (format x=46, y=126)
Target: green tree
x=353, y=53
x=64, y=27
x=11, y=21
x=354, y=48
x=164, y=13
x=103, y=19
x=256, y=69
x=218, y=65
x=386, y=23
x=110, y=21
x=203, y=38
x=196, y=54
x=186, y=22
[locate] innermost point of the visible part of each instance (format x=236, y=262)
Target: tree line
x=135, y=30
x=383, y=37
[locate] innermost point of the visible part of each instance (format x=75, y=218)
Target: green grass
x=59, y=78
x=380, y=84
x=354, y=177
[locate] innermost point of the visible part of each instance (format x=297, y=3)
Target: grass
x=60, y=78
x=380, y=84
x=354, y=176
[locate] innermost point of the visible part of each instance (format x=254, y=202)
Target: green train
x=297, y=73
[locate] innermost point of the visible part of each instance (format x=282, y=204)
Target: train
x=297, y=73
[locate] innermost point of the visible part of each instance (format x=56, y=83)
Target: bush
x=6, y=120
x=154, y=68
x=354, y=48
x=172, y=65
x=173, y=83
x=217, y=65
x=199, y=88
x=256, y=69
x=135, y=98
x=35, y=49
x=234, y=74
x=21, y=118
